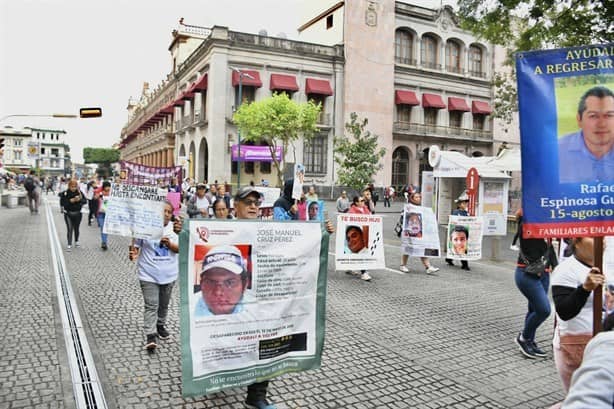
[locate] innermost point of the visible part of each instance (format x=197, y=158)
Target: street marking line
x=87, y=390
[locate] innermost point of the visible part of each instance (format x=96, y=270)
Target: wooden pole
x=598, y=293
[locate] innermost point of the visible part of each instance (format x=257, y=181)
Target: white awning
x=508, y=160
x=456, y=165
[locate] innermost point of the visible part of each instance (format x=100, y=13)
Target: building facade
x=416, y=76
x=15, y=155
x=54, y=154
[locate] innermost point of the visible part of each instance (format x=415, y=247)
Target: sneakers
x=514, y=247
x=104, y=246
x=151, y=344
x=68, y=248
x=450, y=262
x=365, y=276
x=260, y=404
x=431, y=270
x=77, y=244
x=526, y=348
x=537, y=350
x=466, y=267
x=404, y=269
x=162, y=332
x=352, y=273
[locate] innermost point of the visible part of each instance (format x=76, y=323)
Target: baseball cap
x=246, y=191
x=227, y=257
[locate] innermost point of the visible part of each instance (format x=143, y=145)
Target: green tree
x=277, y=121
x=358, y=155
x=522, y=25
x=104, y=157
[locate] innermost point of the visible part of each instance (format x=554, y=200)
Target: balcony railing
x=479, y=74
x=435, y=130
x=404, y=60
x=323, y=119
x=431, y=65
x=453, y=68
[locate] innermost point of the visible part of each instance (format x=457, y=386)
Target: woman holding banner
x=460, y=232
x=415, y=198
x=573, y=282
x=358, y=207
x=158, y=268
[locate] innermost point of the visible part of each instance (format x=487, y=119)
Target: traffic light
x=90, y=112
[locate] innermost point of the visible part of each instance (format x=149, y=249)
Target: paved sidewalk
x=400, y=341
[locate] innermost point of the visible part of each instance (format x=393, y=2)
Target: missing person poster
x=134, y=211
x=252, y=301
x=566, y=107
x=420, y=235
x=464, y=238
x=359, y=242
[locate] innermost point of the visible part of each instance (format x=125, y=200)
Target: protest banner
x=134, y=173
x=359, y=242
x=315, y=210
x=464, y=238
x=299, y=181
x=252, y=297
x=134, y=211
x=269, y=195
x=420, y=235
x=175, y=199
x=566, y=112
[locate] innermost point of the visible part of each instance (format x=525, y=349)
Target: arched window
x=475, y=61
x=400, y=167
x=453, y=56
x=428, y=52
x=404, y=50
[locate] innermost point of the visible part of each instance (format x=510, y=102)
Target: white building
x=15, y=156
x=54, y=154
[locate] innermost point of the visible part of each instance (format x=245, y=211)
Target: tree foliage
x=357, y=154
x=277, y=121
x=103, y=157
x=522, y=25
x=100, y=155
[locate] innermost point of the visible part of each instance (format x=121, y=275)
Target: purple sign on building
x=251, y=153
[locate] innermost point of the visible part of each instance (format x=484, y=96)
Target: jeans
x=156, y=297
x=33, y=200
x=73, y=221
x=103, y=236
x=257, y=391
x=535, y=289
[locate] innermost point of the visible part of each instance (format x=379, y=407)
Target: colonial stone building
x=418, y=78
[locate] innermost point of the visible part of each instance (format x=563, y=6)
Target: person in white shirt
x=198, y=205
x=158, y=268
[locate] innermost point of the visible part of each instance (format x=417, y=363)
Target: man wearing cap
x=198, y=205
x=222, y=282
x=247, y=202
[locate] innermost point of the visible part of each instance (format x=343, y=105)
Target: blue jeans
x=100, y=218
x=535, y=289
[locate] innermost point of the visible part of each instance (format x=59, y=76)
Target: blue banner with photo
x=566, y=107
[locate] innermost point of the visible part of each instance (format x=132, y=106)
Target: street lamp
x=40, y=116
x=241, y=75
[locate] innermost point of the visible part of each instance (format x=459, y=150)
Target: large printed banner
x=566, y=110
x=420, y=236
x=134, y=211
x=359, y=242
x=464, y=239
x=269, y=195
x=136, y=174
x=252, y=301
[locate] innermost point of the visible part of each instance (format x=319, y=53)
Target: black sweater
x=69, y=206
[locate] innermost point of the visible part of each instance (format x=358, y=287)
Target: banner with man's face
x=420, y=235
x=566, y=107
x=359, y=242
x=252, y=301
x=464, y=238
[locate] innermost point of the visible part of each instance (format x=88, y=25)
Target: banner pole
x=598, y=292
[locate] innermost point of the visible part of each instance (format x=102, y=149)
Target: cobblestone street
x=399, y=341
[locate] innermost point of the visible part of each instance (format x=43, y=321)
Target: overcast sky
x=59, y=55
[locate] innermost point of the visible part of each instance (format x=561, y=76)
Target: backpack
x=28, y=184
